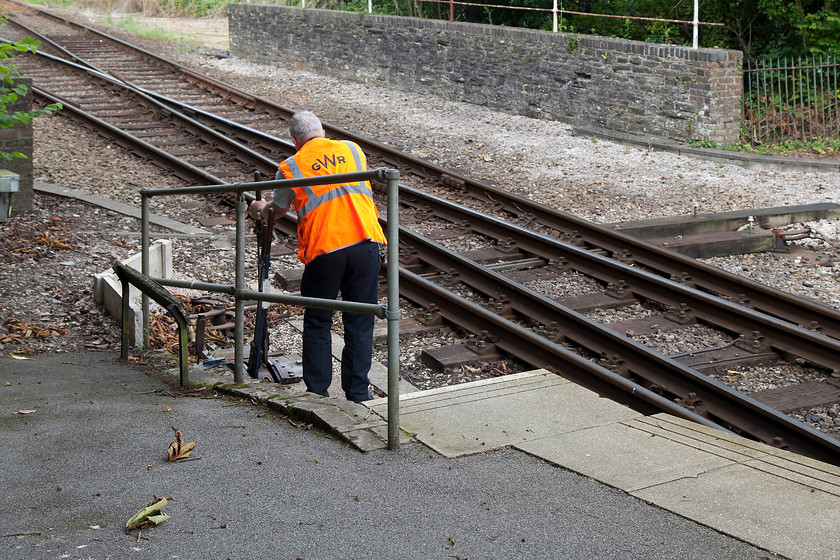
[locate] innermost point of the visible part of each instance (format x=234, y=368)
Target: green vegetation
x=135, y=27
x=759, y=28
x=130, y=24
x=11, y=91
x=821, y=147
x=765, y=30
x=151, y=8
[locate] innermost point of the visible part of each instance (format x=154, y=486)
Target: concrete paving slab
x=490, y=414
x=703, y=438
x=475, y=390
x=624, y=456
x=119, y=207
x=820, y=476
x=686, y=430
x=779, y=462
x=769, y=511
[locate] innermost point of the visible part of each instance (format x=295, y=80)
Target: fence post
x=144, y=260
x=239, y=305
x=696, y=21
x=392, y=177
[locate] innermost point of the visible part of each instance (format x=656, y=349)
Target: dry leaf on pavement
x=149, y=516
x=178, y=449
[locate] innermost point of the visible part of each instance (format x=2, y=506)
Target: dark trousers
x=354, y=272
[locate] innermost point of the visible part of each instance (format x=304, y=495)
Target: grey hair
x=304, y=124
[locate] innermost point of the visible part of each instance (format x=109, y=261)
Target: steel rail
x=746, y=292
x=45, y=39
x=143, y=149
x=242, y=152
x=714, y=310
x=796, y=341
x=705, y=396
x=722, y=405
x=768, y=300
x=541, y=352
x=451, y=176
x=781, y=335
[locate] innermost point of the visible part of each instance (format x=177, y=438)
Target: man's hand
x=258, y=209
x=255, y=208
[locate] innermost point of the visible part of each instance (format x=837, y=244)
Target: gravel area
x=595, y=179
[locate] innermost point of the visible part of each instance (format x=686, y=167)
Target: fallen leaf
x=16, y=357
x=178, y=449
x=149, y=516
x=124, y=245
x=26, y=411
x=52, y=242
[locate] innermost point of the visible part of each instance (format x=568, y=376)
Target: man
x=338, y=241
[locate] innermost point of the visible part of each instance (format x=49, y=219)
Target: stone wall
x=19, y=139
x=627, y=86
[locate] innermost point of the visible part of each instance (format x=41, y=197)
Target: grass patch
x=55, y=3
x=149, y=8
x=820, y=147
x=128, y=23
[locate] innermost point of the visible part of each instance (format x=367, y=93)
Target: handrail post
x=144, y=261
x=239, y=308
x=392, y=179
x=695, y=23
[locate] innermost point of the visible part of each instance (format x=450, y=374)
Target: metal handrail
x=390, y=311
x=149, y=288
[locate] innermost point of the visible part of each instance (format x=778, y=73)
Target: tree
x=11, y=90
x=802, y=27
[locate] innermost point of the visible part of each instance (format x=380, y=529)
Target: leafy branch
x=11, y=90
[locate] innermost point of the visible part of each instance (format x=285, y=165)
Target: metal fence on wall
x=556, y=10
x=787, y=100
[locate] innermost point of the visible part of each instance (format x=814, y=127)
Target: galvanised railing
x=792, y=99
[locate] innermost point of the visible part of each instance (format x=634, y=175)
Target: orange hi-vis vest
x=331, y=217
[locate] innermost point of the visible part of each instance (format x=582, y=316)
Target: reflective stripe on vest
x=332, y=194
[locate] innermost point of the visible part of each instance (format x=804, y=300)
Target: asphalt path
x=78, y=433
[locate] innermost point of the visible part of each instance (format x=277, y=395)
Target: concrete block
x=107, y=289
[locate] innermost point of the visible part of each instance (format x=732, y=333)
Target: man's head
x=303, y=127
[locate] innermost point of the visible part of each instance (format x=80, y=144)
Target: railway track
x=478, y=258
x=201, y=97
